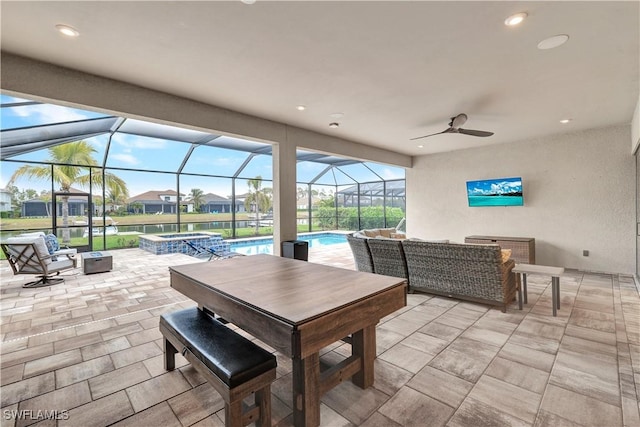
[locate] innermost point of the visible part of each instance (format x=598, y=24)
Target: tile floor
x=88, y=352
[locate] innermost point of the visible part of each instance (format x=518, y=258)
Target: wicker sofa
x=464, y=271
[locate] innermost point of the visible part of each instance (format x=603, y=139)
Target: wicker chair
x=361, y=253
x=388, y=257
x=471, y=272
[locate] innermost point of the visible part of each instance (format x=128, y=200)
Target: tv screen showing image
x=495, y=192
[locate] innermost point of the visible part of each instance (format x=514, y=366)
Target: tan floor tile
x=441, y=386
x=486, y=335
x=465, y=358
x=379, y=420
x=62, y=399
x=354, y=403
x=119, y=379
x=76, y=342
x=444, y=332
x=51, y=363
x=82, y=371
x=389, y=378
x=411, y=408
x=157, y=389
x=507, y=398
x=113, y=407
x=11, y=374
x=406, y=357
x=144, y=336
x=478, y=414
x=589, y=374
x=425, y=343
x=196, y=404
x=159, y=415
x=527, y=356
x=529, y=378
x=102, y=348
x=155, y=365
x=135, y=354
x=26, y=389
x=580, y=409
x=126, y=329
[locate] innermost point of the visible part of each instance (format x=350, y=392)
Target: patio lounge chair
x=29, y=255
x=208, y=253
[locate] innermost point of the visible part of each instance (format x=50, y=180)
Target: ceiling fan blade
x=474, y=132
x=432, y=134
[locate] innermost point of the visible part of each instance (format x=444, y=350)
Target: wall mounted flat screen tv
x=495, y=192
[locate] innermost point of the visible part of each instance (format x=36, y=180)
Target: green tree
x=67, y=160
x=258, y=198
x=116, y=196
x=197, y=196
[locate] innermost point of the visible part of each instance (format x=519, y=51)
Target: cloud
x=47, y=113
x=125, y=158
x=139, y=142
x=388, y=173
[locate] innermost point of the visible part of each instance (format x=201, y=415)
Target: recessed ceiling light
x=420, y=146
x=516, y=19
x=301, y=108
x=552, y=42
x=334, y=125
x=67, y=30
x=565, y=121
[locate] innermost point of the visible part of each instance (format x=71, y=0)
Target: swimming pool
x=265, y=246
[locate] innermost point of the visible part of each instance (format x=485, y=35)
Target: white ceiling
x=397, y=70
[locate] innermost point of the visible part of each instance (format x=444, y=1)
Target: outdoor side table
x=96, y=262
x=554, y=272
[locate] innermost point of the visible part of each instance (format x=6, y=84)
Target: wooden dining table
x=298, y=308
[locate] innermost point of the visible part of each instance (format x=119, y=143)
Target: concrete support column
x=284, y=194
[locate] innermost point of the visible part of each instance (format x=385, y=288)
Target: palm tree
x=259, y=198
x=64, y=159
x=116, y=195
x=197, y=196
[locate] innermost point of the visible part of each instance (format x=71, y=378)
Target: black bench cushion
x=231, y=357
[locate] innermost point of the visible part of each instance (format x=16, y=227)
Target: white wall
x=579, y=192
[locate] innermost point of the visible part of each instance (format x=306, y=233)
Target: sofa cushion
x=398, y=235
x=371, y=233
x=386, y=232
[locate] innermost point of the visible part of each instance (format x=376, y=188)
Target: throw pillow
x=506, y=254
x=52, y=243
x=398, y=235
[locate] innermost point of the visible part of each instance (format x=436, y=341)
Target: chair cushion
x=231, y=357
x=38, y=242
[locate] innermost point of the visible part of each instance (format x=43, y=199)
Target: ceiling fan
x=454, y=127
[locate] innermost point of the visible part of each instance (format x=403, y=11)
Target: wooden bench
x=232, y=364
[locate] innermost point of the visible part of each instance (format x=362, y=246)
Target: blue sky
x=136, y=152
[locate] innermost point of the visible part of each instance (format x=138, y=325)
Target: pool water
x=265, y=246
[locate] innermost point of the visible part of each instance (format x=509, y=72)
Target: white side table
x=554, y=272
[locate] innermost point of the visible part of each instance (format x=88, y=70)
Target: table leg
x=524, y=285
x=554, y=295
x=557, y=279
x=363, y=345
x=306, y=391
x=519, y=286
